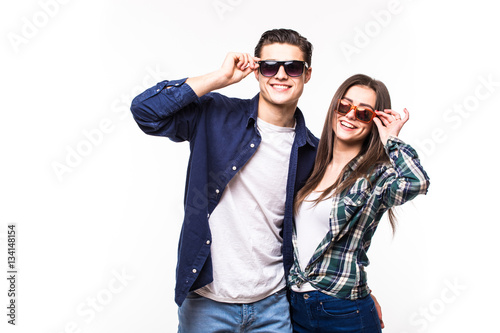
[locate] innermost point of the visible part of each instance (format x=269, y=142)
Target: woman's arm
x=407, y=178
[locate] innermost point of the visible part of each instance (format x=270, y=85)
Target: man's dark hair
x=285, y=36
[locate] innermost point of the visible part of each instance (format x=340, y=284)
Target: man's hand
x=236, y=67
x=379, y=310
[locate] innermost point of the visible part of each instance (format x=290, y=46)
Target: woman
x=361, y=170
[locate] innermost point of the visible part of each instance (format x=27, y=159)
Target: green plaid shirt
x=337, y=266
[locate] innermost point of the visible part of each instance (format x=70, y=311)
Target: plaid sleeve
x=405, y=178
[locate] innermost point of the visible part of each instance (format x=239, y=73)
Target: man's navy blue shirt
x=223, y=136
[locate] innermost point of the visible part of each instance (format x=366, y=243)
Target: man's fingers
x=246, y=61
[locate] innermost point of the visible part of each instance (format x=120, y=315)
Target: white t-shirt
x=312, y=223
x=246, y=224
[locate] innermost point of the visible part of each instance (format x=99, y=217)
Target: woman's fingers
x=388, y=116
x=384, y=117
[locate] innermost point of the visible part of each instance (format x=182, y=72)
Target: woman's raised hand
x=389, y=123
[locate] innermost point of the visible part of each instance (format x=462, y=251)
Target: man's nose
x=281, y=73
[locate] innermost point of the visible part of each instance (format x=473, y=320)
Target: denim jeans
x=202, y=315
x=317, y=312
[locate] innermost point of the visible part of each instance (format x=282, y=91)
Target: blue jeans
x=317, y=312
x=202, y=315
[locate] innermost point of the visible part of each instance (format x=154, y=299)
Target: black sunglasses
x=292, y=68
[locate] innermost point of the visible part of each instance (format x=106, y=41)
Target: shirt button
x=194, y=270
x=252, y=145
x=217, y=191
x=208, y=215
x=234, y=167
x=208, y=242
x=157, y=90
x=306, y=296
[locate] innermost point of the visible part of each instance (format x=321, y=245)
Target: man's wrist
x=204, y=84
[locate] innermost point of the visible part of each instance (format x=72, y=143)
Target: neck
x=343, y=153
x=278, y=115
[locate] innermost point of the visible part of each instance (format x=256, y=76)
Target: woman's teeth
x=347, y=124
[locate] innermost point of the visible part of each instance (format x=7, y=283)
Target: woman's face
x=347, y=128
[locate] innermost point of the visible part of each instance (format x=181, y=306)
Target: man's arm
x=171, y=108
x=235, y=68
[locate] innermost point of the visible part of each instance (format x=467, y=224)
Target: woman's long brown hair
x=372, y=150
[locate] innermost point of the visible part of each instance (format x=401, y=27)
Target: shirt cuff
x=395, y=144
x=181, y=93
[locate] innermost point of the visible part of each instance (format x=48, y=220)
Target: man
x=248, y=159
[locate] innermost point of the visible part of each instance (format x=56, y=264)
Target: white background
x=70, y=68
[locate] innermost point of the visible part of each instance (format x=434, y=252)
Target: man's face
x=281, y=89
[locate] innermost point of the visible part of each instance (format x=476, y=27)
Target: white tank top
x=312, y=223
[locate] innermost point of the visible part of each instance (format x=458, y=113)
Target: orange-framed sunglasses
x=364, y=114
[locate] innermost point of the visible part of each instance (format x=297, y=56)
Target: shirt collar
x=302, y=134
x=355, y=162
x=252, y=114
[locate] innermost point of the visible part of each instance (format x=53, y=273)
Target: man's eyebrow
x=361, y=104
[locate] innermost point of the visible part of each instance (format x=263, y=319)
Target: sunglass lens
x=294, y=68
x=343, y=108
x=364, y=114
x=269, y=68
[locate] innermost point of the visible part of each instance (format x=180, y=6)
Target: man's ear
x=256, y=72
x=308, y=74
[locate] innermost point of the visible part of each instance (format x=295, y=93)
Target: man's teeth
x=280, y=86
x=346, y=124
